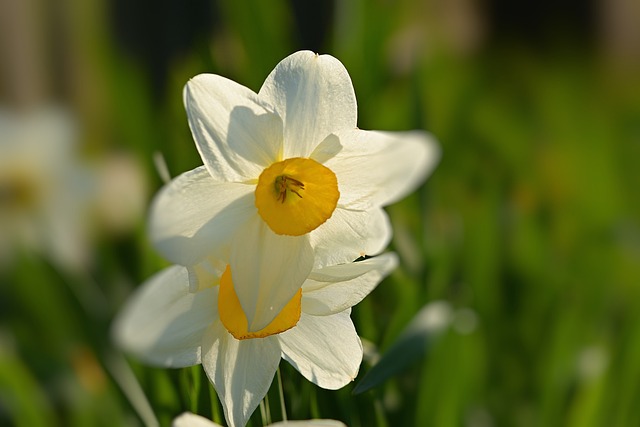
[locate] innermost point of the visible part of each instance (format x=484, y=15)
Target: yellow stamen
x=296, y=195
x=235, y=321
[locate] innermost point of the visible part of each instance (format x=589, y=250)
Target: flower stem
x=126, y=379
x=283, y=408
x=265, y=412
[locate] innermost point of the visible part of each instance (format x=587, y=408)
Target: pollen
x=234, y=318
x=297, y=195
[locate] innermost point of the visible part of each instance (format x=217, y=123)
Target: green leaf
x=22, y=399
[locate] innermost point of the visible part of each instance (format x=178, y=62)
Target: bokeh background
x=528, y=231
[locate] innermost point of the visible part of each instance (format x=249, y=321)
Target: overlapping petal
x=194, y=216
x=350, y=234
x=237, y=135
x=325, y=349
x=241, y=371
x=267, y=270
x=188, y=419
x=314, y=96
x=380, y=231
x=163, y=322
x=205, y=274
x=333, y=289
x=378, y=168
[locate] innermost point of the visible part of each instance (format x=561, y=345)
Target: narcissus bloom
x=289, y=182
x=45, y=188
x=52, y=199
x=191, y=420
x=176, y=320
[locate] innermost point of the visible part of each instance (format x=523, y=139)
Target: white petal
x=380, y=232
x=163, y=323
x=309, y=423
x=236, y=134
x=378, y=168
x=62, y=226
x=325, y=349
x=314, y=96
x=188, y=419
x=194, y=216
x=350, y=234
x=334, y=289
x=267, y=270
x=205, y=274
x=241, y=371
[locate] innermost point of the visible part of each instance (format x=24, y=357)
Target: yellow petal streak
x=296, y=195
x=234, y=319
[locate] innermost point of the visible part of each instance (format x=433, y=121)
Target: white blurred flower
x=191, y=420
x=121, y=192
x=52, y=201
x=592, y=362
x=178, y=319
x=289, y=182
x=44, y=189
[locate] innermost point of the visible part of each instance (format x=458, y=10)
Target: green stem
x=283, y=408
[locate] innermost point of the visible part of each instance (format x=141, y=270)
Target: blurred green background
x=529, y=228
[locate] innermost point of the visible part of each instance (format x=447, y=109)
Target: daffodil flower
x=173, y=322
x=45, y=192
x=188, y=419
x=289, y=182
x=52, y=200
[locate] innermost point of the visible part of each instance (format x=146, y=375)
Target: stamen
x=284, y=183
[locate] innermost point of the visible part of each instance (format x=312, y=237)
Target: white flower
x=289, y=182
x=166, y=323
x=191, y=420
x=52, y=200
x=121, y=193
x=44, y=188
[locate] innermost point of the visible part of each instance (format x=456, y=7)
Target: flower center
x=296, y=195
x=234, y=319
x=17, y=193
x=284, y=184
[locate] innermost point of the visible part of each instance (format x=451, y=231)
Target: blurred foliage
x=529, y=227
